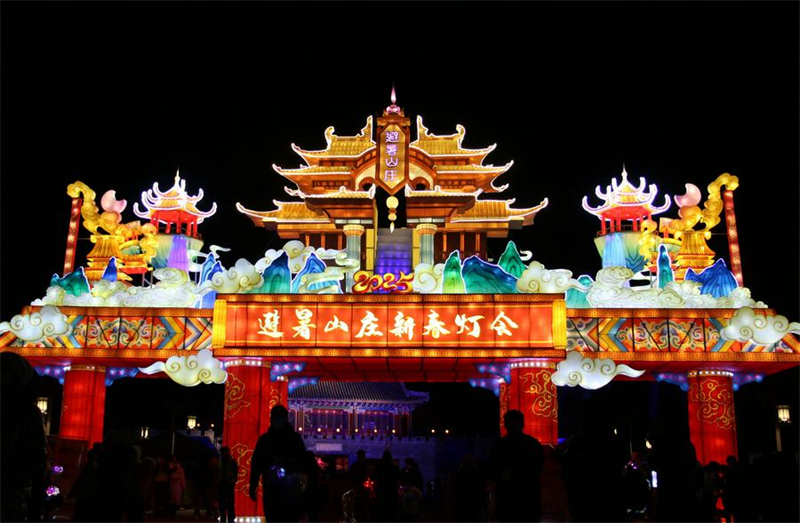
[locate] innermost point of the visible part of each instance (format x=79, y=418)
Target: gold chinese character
x=369, y=326
x=336, y=323
x=435, y=327
x=502, y=323
x=403, y=325
x=304, y=326
x=462, y=320
x=269, y=324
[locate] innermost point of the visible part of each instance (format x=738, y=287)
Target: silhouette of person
x=177, y=484
x=470, y=491
x=278, y=461
x=516, y=468
x=228, y=475
x=387, y=478
x=412, y=474
x=359, y=472
x=24, y=444
x=85, y=490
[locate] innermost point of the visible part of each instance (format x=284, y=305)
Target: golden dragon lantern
x=131, y=244
x=686, y=243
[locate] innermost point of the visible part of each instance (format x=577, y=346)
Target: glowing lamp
x=299, y=429
x=42, y=403
x=356, y=431
x=447, y=431
x=319, y=429
x=783, y=414
x=393, y=431
x=338, y=429
x=191, y=422
x=433, y=431
x=375, y=430
x=648, y=444
x=144, y=433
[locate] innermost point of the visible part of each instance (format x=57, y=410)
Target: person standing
x=279, y=461
x=228, y=475
x=177, y=484
x=516, y=464
x=387, y=478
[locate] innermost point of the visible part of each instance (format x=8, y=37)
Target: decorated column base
x=712, y=421
x=83, y=406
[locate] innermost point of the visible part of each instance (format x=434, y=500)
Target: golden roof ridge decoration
x=450, y=142
x=438, y=192
x=341, y=146
x=313, y=170
x=498, y=210
x=286, y=211
x=342, y=192
x=173, y=199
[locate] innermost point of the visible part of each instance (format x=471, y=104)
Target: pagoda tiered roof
x=332, y=184
x=624, y=201
x=171, y=202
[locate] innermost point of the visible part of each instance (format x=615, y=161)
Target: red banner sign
x=378, y=324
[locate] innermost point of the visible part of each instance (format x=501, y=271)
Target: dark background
x=120, y=95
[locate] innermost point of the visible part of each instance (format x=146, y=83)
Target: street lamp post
x=783, y=419
x=43, y=404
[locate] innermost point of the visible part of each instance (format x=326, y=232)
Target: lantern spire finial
x=393, y=109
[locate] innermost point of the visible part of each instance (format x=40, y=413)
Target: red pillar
x=712, y=421
x=534, y=394
x=249, y=396
x=733, y=237
x=83, y=406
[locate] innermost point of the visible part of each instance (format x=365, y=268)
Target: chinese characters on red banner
x=389, y=324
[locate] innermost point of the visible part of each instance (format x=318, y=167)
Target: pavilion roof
x=625, y=195
x=340, y=146
x=286, y=212
x=174, y=199
x=447, y=145
x=498, y=210
x=384, y=393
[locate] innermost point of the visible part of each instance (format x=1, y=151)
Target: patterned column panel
x=712, y=421
x=83, y=406
x=534, y=394
x=505, y=393
x=249, y=396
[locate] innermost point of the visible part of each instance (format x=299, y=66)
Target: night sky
x=121, y=95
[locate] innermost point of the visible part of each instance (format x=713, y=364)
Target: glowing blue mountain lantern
x=110, y=273
x=313, y=266
x=74, y=283
x=716, y=280
x=453, y=282
x=511, y=262
x=576, y=298
x=665, y=274
x=481, y=277
x=277, y=277
x=210, y=267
